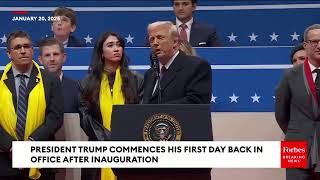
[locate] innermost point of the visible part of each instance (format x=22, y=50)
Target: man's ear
x=64, y=57
x=73, y=28
x=304, y=45
x=40, y=60
x=194, y=5
x=8, y=54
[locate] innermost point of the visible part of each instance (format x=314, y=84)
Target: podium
x=161, y=122
x=128, y=120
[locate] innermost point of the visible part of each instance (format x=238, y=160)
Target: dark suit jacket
x=203, y=35
x=296, y=109
x=72, y=42
x=70, y=89
x=187, y=81
x=75, y=42
x=53, y=120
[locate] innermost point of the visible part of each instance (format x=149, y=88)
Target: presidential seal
x=162, y=127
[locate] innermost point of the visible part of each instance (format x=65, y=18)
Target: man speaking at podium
x=175, y=78
x=183, y=79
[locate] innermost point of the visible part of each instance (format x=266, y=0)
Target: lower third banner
x=155, y=154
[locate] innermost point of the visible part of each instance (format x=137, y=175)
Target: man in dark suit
x=186, y=80
x=297, y=105
x=52, y=56
x=183, y=79
x=196, y=33
x=63, y=27
x=25, y=89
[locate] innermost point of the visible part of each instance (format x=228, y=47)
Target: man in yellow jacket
x=31, y=106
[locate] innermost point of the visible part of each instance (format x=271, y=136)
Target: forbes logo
x=293, y=150
x=294, y=154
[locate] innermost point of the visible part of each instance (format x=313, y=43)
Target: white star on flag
x=233, y=98
x=273, y=97
x=253, y=37
x=3, y=39
x=255, y=98
x=213, y=98
x=129, y=39
x=88, y=39
x=232, y=37
x=295, y=36
x=274, y=37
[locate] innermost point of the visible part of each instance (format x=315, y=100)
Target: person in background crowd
x=187, y=48
x=196, y=33
x=63, y=27
x=298, y=55
x=52, y=56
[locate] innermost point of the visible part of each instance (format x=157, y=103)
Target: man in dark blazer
x=70, y=91
x=196, y=33
x=184, y=80
x=297, y=105
x=53, y=56
x=20, y=52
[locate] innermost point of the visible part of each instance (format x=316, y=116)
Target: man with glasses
x=297, y=105
x=31, y=106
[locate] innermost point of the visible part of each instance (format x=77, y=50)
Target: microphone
x=155, y=63
x=155, y=66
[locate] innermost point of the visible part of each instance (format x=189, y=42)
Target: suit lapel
x=149, y=86
x=193, y=32
x=71, y=41
x=310, y=89
x=10, y=83
x=170, y=75
x=168, y=78
x=33, y=79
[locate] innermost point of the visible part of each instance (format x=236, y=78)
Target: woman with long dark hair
x=109, y=82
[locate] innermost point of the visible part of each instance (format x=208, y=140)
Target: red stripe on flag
x=19, y=12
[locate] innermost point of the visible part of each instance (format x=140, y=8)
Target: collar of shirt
x=169, y=62
x=188, y=29
x=17, y=82
x=16, y=72
x=189, y=23
x=314, y=74
x=65, y=43
x=61, y=75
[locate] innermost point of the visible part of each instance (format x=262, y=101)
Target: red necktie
x=183, y=32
